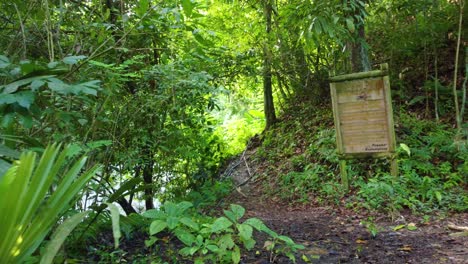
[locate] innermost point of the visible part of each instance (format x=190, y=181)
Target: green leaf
x=249, y=243
x=172, y=222
x=14, y=86
x=25, y=200
x=4, y=167
x=36, y=84
x=183, y=206
x=213, y=248
x=405, y=148
x=411, y=227
x=226, y=242
x=153, y=213
x=398, y=227
x=230, y=215
x=25, y=99
x=71, y=60
x=350, y=25
x=4, y=62
x=188, y=251
x=157, y=226
x=187, y=6
x=236, y=255
x=186, y=237
x=142, y=8
x=149, y=242
x=190, y=223
x=8, y=152
x=438, y=196
x=245, y=231
x=220, y=224
x=59, y=87
x=260, y=226
x=115, y=216
x=60, y=235
x=238, y=211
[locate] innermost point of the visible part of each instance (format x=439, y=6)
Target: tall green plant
x=33, y=196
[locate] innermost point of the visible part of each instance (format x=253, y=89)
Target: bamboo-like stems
x=22, y=31
x=455, y=73
x=436, y=88
x=462, y=110
x=50, y=37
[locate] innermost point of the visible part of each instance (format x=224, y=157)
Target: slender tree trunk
x=455, y=73
x=148, y=179
x=359, y=54
x=269, y=106
x=126, y=206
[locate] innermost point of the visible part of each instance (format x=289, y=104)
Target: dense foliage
x=162, y=93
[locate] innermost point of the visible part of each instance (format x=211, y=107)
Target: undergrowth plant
x=218, y=239
x=433, y=169
x=29, y=208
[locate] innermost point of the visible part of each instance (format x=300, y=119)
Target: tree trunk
x=148, y=179
x=359, y=53
x=269, y=106
x=126, y=206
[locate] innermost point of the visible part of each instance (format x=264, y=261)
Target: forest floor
x=334, y=234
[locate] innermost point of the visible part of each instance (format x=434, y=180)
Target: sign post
x=363, y=115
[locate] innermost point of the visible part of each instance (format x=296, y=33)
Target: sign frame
x=380, y=96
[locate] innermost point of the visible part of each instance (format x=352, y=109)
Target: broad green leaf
x=36, y=84
x=245, y=231
x=398, y=227
x=172, y=222
x=59, y=87
x=190, y=223
x=188, y=6
x=25, y=99
x=170, y=208
x=183, y=206
x=350, y=25
x=188, y=251
x=213, y=248
x=438, y=196
x=286, y=239
x=115, y=216
x=411, y=227
x=236, y=255
x=220, y=224
x=4, y=166
x=186, y=237
x=238, y=211
x=260, y=226
x=230, y=215
x=8, y=152
x=149, y=242
x=142, y=7
x=226, y=242
x=249, y=243
x=99, y=143
x=71, y=60
x=13, y=87
x=157, y=226
x=4, y=62
x=405, y=148
x=60, y=235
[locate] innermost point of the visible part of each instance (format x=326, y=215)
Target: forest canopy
x=162, y=94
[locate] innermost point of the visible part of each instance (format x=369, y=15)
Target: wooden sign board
x=362, y=110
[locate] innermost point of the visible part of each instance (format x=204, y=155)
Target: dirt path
x=336, y=235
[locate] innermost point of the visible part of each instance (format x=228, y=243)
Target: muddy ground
x=338, y=235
